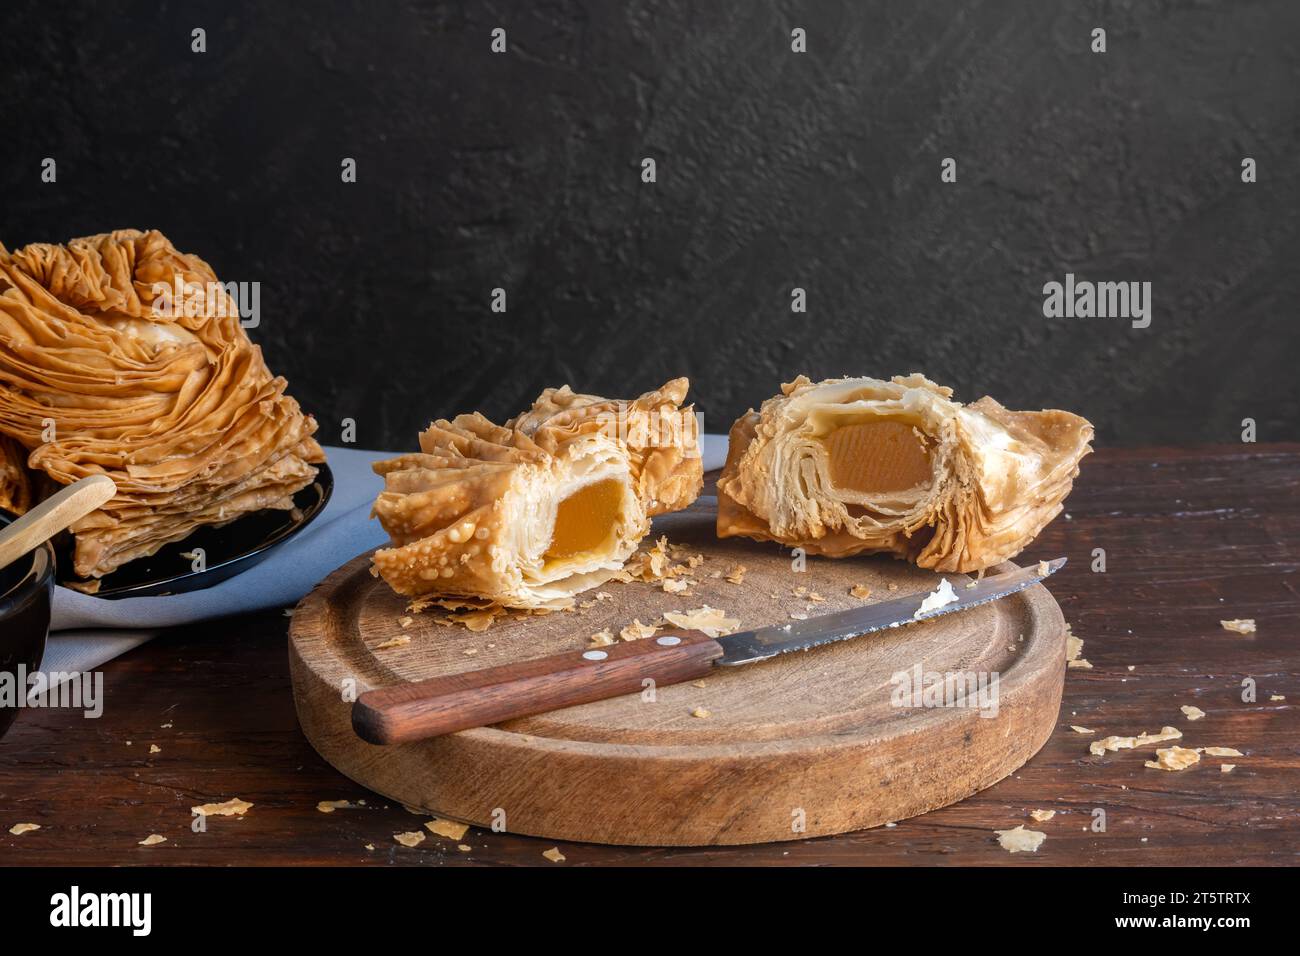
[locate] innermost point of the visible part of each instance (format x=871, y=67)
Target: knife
x=411, y=711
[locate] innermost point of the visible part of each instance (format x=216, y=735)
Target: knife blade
x=405, y=712
x=746, y=647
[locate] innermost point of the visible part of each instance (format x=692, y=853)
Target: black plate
x=228, y=550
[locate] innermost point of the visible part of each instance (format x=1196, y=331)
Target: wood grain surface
x=1192, y=536
x=804, y=744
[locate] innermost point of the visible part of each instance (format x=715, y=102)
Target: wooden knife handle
x=442, y=705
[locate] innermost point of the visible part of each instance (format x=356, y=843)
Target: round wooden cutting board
x=809, y=744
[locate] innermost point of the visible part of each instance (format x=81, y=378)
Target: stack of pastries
x=179, y=409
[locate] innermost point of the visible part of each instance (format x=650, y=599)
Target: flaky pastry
x=176, y=405
x=858, y=465
x=15, y=486
x=550, y=504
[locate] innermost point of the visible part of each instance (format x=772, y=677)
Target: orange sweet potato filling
x=877, y=457
x=584, y=520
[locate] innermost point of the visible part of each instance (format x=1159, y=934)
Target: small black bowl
x=26, y=589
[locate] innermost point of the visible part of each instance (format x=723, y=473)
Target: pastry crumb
x=1222, y=752
x=711, y=621
x=18, y=829
x=736, y=573
x=1240, y=625
x=601, y=639
x=1193, y=713
x=1173, y=758
x=939, y=597
x=554, y=855
x=153, y=839
x=700, y=712
x=1020, y=840
x=478, y=620
x=234, y=807
x=1227, y=767
x=860, y=591
x=1082, y=730
x=447, y=828
x=329, y=806
x=393, y=642
x=1042, y=816
x=636, y=631
x=1073, y=648
x=409, y=838
x=1113, y=743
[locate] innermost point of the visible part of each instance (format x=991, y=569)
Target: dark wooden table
x=1191, y=536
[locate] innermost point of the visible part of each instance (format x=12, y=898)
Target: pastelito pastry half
x=859, y=465
x=175, y=404
x=530, y=513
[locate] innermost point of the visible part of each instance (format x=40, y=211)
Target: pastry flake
x=234, y=807
x=530, y=513
x=1113, y=743
x=859, y=465
x=176, y=405
x=711, y=621
x=1020, y=840
x=1173, y=758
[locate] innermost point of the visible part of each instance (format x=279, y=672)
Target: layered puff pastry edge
x=860, y=465
x=177, y=406
x=529, y=513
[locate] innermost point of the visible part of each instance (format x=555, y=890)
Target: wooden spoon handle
x=53, y=515
x=441, y=705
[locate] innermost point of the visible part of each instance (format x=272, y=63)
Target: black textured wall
x=775, y=170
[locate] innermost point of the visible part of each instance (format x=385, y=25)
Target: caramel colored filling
x=585, y=519
x=877, y=457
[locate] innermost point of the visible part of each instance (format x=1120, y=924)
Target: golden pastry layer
x=858, y=465
x=550, y=504
x=178, y=409
x=15, y=486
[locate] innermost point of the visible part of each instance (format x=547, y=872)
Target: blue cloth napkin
x=87, y=631
x=342, y=531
